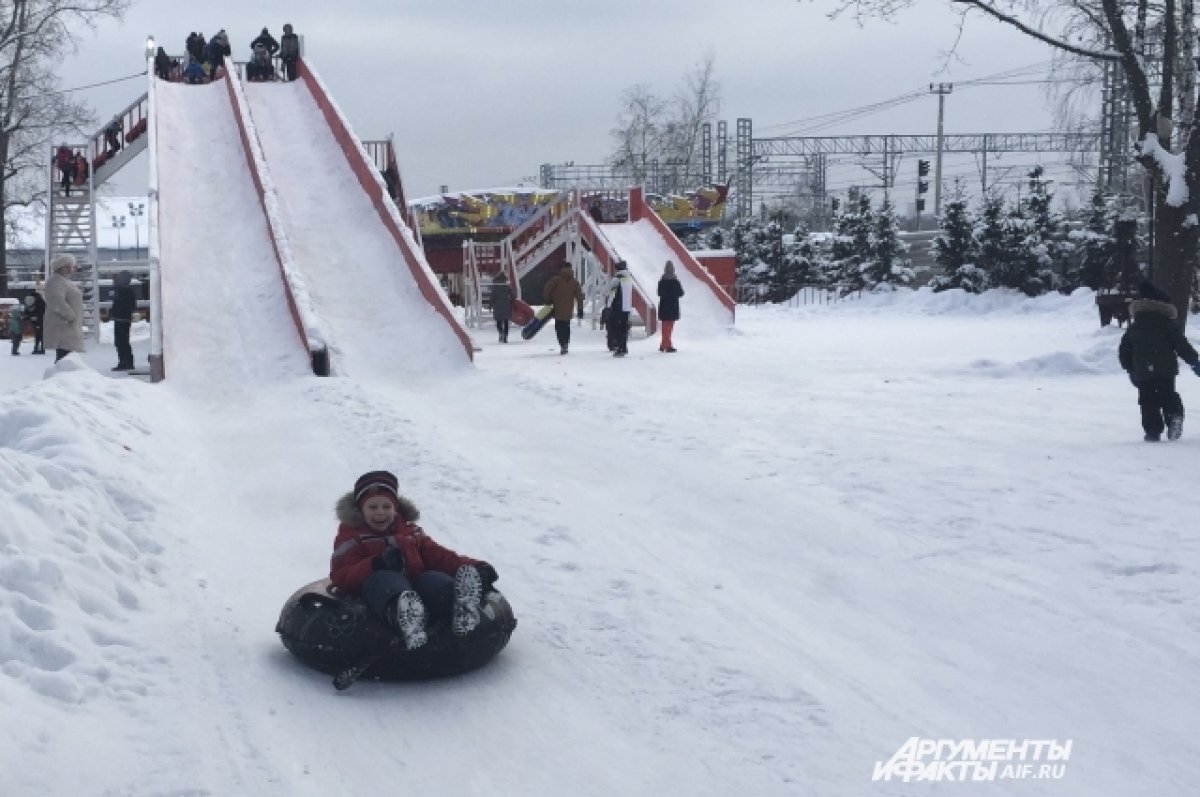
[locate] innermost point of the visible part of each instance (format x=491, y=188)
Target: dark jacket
x=669, y=292
x=38, y=312
x=563, y=291
x=123, y=303
x=357, y=544
x=1153, y=341
x=266, y=40
x=501, y=301
x=289, y=47
x=162, y=64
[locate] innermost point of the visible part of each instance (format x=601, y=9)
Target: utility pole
x=940, y=89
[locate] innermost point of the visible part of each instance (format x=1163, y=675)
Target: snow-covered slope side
x=79, y=568
x=225, y=313
x=357, y=276
x=645, y=251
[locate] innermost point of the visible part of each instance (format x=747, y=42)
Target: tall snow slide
x=374, y=293
x=224, y=304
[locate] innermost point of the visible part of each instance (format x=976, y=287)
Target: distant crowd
x=204, y=59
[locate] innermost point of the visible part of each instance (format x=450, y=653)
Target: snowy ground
x=754, y=567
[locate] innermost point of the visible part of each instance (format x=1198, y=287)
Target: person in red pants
x=669, y=293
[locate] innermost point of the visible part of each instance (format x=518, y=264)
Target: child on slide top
x=403, y=576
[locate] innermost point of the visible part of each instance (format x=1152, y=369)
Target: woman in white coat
x=63, y=328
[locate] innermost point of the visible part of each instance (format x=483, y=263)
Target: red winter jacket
x=357, y=544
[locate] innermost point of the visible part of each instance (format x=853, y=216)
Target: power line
x=81, y=88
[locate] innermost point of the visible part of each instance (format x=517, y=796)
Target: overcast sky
x=481, y=94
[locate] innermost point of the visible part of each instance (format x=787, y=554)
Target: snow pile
x=957, y=302
x=78, y=549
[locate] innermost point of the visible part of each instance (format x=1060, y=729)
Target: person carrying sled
x=402, y=575
x=565, y=293
x=620, y=301
x=1148, y=352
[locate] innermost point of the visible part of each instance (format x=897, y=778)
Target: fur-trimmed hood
x=1153, y=306
x=348, y=512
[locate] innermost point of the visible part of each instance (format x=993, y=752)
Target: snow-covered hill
x=757, y=566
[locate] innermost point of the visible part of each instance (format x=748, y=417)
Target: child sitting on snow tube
x=402, y=575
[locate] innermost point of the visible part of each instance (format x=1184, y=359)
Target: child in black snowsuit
x=1148, y=351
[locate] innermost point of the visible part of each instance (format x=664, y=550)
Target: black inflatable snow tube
x=332, y=631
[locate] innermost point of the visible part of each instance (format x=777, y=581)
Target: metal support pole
x=941, y=89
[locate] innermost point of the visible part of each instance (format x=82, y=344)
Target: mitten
x=1196, y=368
x=391, y=559
x=487, y=574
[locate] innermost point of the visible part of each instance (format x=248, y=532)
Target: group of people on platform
x=57, y=319
x=564, y=293
x=203, y=58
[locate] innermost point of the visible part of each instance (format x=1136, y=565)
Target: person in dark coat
x=502, y=305
x=162, y=64
x=596, y=213
x=564, y=292
x=112, y=137
x=121, y=314
x=35, y=311
x=1148, y=352
x=401, y=573
x=289, y=52
x=669, y=293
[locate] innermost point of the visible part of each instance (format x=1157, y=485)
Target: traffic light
x=922, y=168
x=922, y=186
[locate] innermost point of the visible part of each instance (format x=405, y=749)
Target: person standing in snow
x=35, y=307
x=502, y=305
x=289, y=52
x=403, y=576
x=564, y=292
x=669, y=294
x=64, y=308
x=14, y=328
x=121, y=314
x=1148, y=352
x=620, y=301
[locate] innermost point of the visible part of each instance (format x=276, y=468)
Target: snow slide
x=225, y=313
x=645, y=251
x=376, y=317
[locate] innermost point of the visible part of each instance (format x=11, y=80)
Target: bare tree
x=651, y=129
x=34, y=37
x=1154, y=43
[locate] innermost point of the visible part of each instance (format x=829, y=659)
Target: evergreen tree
x=852, y=243
x=1096, y=247
x=995, y=253
x=955, y=250
x=887, y=264
x=1043, y=244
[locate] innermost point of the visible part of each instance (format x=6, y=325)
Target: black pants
x=121, y=341
x=618, y=332
x=502, y=328
x=1159, y=401
x=289, y=70
x=563, y=330
x=38, y=346
x=67, y=176
x=16, y=343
